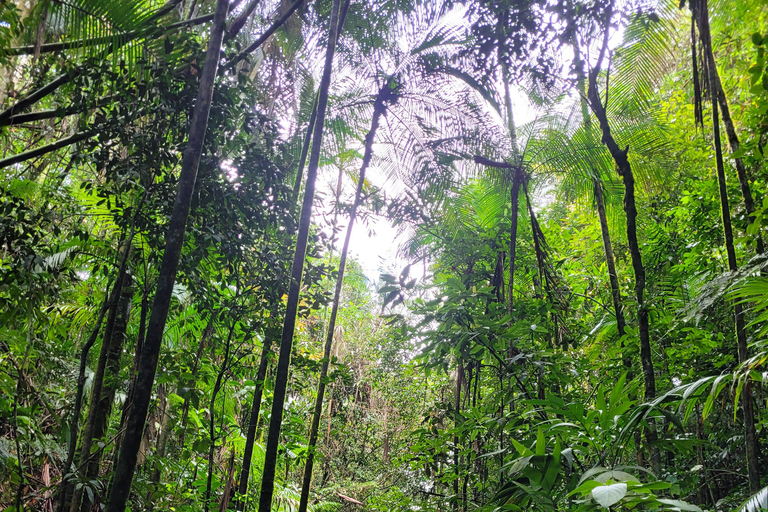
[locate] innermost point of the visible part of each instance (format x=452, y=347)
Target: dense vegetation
x=576, y=319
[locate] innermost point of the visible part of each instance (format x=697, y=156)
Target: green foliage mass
x=499, y=363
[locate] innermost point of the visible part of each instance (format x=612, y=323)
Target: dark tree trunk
x=716, y=88
x=701, y=16
x=597, y=188
x=65, y=492
x=212, y=414
x=253, y=422
x=624, y=170
x=304, y=151
x=457, y=504
x=134, y=429
x=286, y=342
x=111, y=380
x=92, y=430
x=379, y=109
x=517, y=181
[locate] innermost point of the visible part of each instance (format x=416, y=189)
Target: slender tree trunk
x=286, y=342
x=92, y=428
x=304, y=151
x=610, y=260
x=225, y=497
x=66, y=489
x=379, y=109
x=456, y=422
x=212, y=415
x=253, y=422
x=126, y=463
x=517, y=178
x=204, y=337
x=109, y=388
x=730, y=129
x=597, y=188
x=701, y=15
x=517, y=181
x=162, y=440
x=624, y=170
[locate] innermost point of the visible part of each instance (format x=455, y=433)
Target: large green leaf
x=609, y=495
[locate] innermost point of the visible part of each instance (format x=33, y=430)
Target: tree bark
x=253, y=422
x=624, y=170
x=379, y=109
x=701, y=16
x=514, y=199
x=109, y=387
x=304, y=151
x=65, y=489
x=126, y=464
x=90, y=432
x=733, y=141
x=212, y=414
x=286, y=342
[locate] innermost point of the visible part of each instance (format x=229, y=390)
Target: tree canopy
x=572, y=315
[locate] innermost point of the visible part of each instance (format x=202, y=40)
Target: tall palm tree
x=386, y=94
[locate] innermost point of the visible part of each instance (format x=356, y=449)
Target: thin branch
x=492, y=163
x=67, y=77
x=33, y=153
x=266, y=35
x=239, y=23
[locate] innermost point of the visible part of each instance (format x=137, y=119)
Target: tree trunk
x=379, y=109
x=733, y=138
x=456, y=422
x=126, y=463
x=111, y=381
x=624, y=170
x=286, y=342
x=304, y=151
x=701, y=16
x=517, y=181
x=65, y=490
x=212, y=414
x=253, y=422
x=93, y=428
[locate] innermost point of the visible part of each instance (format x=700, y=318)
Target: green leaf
x=679, y=505
x=609, y=495
x=541, y=443
x=756, y=502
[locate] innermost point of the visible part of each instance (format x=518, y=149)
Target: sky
x=375, y=245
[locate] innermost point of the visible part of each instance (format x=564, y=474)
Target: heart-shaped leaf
x=607, y=495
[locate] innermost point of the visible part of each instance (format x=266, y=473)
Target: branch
x=271, y=30
x=53, y=113
x=37, y=95
x=65, y=78
x=27, y=155
x=491, y=163
x=239, y=23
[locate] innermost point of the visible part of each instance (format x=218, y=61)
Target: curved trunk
x=378, y=110
x=624, y=169
x=286, y=341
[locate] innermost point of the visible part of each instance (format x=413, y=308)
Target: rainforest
x=383, y=255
